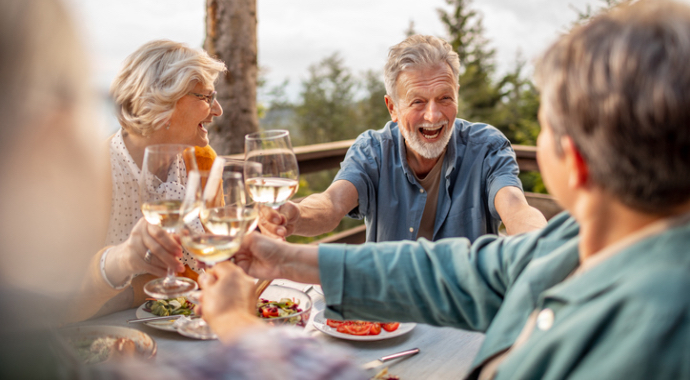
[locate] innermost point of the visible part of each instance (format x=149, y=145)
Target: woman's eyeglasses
x=207, y=98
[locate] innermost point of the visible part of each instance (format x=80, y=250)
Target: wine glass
x=279, y=177
x=251, y=208
x=162, y=186
x=222, y=215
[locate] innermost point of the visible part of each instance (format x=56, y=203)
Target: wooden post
x=231, y=37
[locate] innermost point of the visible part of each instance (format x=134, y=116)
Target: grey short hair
x=154, y=78
x=619, y=86
x=417, y=52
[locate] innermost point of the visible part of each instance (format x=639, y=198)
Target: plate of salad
x=160, y=308
x=360, y=330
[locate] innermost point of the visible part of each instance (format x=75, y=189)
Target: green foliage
x=533, y=182
x=371, y=109
x=328, y=109
x=478, y=96
x=335, y=105
x=516, y=114
x=584, y=15
x=510, y=103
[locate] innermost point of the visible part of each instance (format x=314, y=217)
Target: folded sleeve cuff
x=498, y=184
x=332, y=273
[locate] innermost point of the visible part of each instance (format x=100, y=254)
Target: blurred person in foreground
x=164, y=94
x=601, y=291
x=53, y=196
x=52, y=185
x=426, y=174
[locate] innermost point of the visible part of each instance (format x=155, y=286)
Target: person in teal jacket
x=602, y=291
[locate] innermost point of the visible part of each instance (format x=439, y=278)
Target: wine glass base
x=194, y=297
x=164, y=288
x=197, y=329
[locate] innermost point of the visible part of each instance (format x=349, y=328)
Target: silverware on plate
x=168, y=317
x=381, y=360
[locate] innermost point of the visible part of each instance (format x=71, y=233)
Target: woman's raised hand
x=131, y=256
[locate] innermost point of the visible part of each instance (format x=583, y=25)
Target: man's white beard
x=423, y=148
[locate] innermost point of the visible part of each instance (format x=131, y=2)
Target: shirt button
x=545, y=319
x=421, y=191
x=411, y=229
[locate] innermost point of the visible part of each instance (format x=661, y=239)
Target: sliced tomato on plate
x=334, y=323
x=354, y=328
x=375, y=328
x=390, y=326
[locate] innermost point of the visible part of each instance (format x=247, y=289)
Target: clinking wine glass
x=251, y=208
x=222, y=216
x=278, y=180
x=165, y=175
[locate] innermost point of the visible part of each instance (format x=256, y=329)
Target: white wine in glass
x=279, y=177
x=166, y=175
x=251, y=208
x=164, y=213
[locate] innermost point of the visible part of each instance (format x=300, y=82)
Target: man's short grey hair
x=619, y=86
x=417, y=52
x=154, y=78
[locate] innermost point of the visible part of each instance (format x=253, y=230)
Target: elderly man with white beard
x=426, y=174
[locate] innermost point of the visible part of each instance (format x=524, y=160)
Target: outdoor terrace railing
x=318, y=157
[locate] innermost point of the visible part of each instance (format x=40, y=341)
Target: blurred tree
x=410, y=31
x=511, y=103
x=371, y=109
x=231, y=37
x=516, y=113
x=478, y=96
x=584, y=15
x=327, y=110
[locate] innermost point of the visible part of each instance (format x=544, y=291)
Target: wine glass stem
x=170, y=276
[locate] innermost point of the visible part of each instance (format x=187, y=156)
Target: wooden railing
x=318, y=157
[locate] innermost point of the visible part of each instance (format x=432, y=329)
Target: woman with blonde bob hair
x=164, y=94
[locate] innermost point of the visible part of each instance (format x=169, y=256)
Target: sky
x=295, y=34
x=292, y=35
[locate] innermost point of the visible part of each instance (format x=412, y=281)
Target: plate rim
x=99, y=328
x=405, y=327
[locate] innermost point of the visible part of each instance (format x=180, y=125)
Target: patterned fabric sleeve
x=278, y=353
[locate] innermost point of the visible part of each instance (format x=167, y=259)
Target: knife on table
x=167, y=317
x=381, y=360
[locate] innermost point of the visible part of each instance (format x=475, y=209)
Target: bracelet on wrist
x=128, y=280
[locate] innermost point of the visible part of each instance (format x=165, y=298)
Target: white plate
x=166, y=324
x=146, y=346
x=320, y=324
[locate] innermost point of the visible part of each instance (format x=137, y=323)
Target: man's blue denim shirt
x=479, y=161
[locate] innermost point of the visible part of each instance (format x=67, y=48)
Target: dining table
x=445, y=352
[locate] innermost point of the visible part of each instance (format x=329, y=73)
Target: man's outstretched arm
x=517, y=215
x=314, y=215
